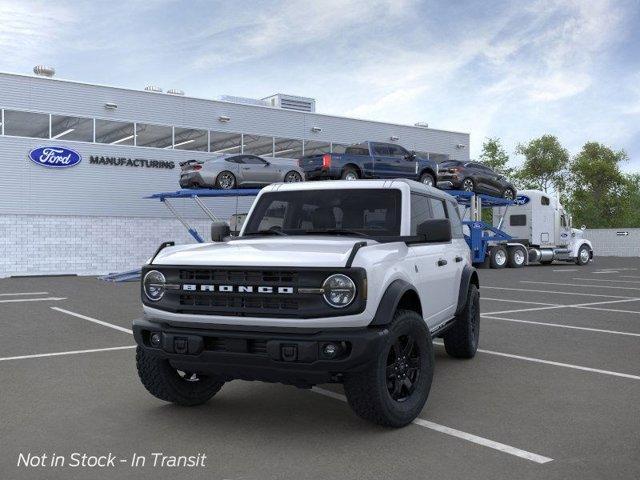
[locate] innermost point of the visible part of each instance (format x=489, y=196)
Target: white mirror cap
x=583, y=227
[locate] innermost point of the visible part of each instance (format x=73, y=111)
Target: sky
x=513, y=70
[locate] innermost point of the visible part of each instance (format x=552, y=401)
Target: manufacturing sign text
x=130, y=162
x=55, y=157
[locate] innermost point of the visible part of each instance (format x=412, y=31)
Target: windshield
x=360, y=212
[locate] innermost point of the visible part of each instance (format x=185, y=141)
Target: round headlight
x=153, y=285
x=339, y=290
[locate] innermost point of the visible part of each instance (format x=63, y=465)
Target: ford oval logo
x=55, y=157
x=522, y=200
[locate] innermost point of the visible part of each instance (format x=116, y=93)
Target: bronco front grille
x=251, y=292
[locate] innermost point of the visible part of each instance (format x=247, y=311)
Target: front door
x=256, y=170
x=382, y=161
x=403, y=164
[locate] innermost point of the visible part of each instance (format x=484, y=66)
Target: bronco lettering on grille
x=190, y=287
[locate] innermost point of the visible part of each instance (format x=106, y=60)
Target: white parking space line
x=608, y=310
x=529, y=290
x=555, y=364
x=23, y=293
x=605, y=272
x=94, y=320
x=567, y=270
x=46, y=299
x=629, y=276
x=518, y=301
x=559, y=325
x=72, y=352
x=469, y=437
x=575, y=305
x=581, y=285
x=606, y=280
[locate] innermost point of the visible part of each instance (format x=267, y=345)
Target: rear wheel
x=428, y=180
x=509, y=194
x=498, y=257
x=292, y=177
x=225, y=180
x=349, y=173
x=468, y=185
x=516, y=257
x=171, y=385
x=461, y=341
x=393, y=389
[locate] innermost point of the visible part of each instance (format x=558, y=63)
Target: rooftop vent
x=422, y=124
x=44, y=71
x=175, y=91
x=292, y=102
x=153, y=88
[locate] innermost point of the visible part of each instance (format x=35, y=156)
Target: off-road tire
x=368, y=391
x=513, y=260
x=498, y=257
x=164, y=382
x=461, y=340
x=348, y=173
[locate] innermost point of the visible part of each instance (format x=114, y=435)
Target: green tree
x=600, y=193
x=632, y=214
x=545, y=164
x=495, y=156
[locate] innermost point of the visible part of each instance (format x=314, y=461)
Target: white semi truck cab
x=540, y=223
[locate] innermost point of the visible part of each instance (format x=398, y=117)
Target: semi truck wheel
x=171, y=385
x=584, y=255
x=517, y=257
x=393, y=389
x=498, y=257
x=461, y=341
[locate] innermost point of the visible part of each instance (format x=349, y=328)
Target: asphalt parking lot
x=553, y=392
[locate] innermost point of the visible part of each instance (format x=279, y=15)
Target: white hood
x=289, y=251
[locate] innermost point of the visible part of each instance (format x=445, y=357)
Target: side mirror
x=410, y=156
x=219, y=231
x=583, y=227
x=267, y=163
x=436, y=230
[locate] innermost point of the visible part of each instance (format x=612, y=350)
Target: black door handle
x=442, y=262
x=459, y=259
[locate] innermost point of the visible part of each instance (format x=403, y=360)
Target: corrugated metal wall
x=614, y=242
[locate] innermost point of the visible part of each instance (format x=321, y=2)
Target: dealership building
x=93, y=217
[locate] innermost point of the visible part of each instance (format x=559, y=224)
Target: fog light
x=330, y=350
x=156, y=340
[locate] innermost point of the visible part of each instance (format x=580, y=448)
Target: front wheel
x=428, y=180
x=171, y=385
x=226, y=180
x=584, y=255
x=393, y=389
x=292, y=177
x=468, y=185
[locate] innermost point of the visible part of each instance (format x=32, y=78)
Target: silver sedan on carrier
x=239, y=170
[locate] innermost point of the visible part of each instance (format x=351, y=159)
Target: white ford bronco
x=328, y=282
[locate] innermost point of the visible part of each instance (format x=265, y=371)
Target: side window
x=437, y=208
x=381, y=150
x=234, y=160
x=456, y=222
x=251, y=160
x=563, y=221
x=545, y=200
x=517, y=220
x=420, y=211
x=397, y=151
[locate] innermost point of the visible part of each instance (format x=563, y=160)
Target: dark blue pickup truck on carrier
x=370, y=160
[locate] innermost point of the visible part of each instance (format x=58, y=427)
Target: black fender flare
x=429, y=170
x=469, y=276
x=389, y=302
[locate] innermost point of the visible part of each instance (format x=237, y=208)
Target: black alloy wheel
x=403, y=368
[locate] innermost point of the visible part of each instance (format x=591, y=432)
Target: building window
x=287, y=148
x=26, y=124
x=222, y=142
x=312, y=147
x=190, y=139
x=157, y=136
x=257, y=145
x=72, y=128
x=114, y=133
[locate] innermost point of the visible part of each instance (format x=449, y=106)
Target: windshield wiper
x=266, y=232
x=338, y=231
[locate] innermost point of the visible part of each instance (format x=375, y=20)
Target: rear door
x=382, y=161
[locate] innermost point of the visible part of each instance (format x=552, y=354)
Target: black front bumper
x=284, y=356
